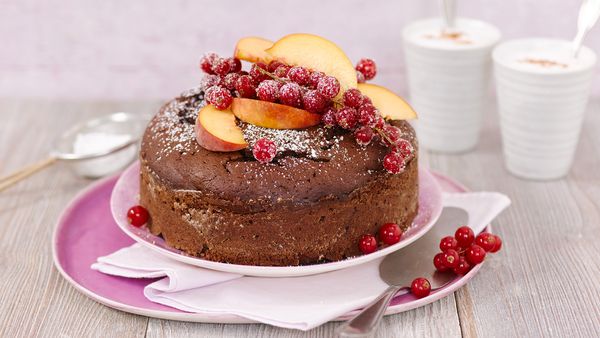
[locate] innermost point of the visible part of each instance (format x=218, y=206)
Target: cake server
x=89, y=164
x=399, y=269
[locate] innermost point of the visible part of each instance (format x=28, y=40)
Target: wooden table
x=545, y=281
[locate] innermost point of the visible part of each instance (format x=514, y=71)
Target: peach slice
x=273, y=115
x=252, y=49
x=216, y=130
x=316, y=53
x=390, y=105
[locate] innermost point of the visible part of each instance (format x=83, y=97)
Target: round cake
x=314, y=198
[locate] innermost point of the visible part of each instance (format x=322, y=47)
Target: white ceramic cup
x=543, y=93
x=449, y=73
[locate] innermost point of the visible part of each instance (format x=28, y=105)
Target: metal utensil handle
x=23, y=173
x=366, y=321
x=449, y=12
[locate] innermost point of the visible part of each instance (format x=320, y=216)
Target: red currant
x=360, y=78
x=438, y=262
x=463, y=266
x=221, y=67
x=346, y=118
x=464, y=236
x=328, y=86
x=379, y=122
x=364, y=135
x=486, y=240
x=291, y=94
x=257, y=75
x=328, y=118
x=282, y=71
x=420, y=287
x=392, y=133
x=313, y=101
x=245, y=86
x=274, y=65
x=210, y=80
x=235, y=65
x=394, y=163
x=498, y=244
x=314, y=78
x=404, y=148
x=448, y=243
x=390, y=233
x=367, y=67
x=300, y=75
x=475, y=254
x=367, y=244
x=353, y=98
x=268, y=90
x=366, y=115
x=450, y=258
x=264, y=150
x=206, y=63
x=219, y=97
x=230, y=80
x=137, y=216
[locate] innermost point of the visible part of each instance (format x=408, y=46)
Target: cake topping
x=300, y=81
x=264, y=150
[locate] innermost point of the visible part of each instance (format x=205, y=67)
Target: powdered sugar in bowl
x=102, y=146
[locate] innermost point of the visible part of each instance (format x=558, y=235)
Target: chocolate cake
x=311, y=204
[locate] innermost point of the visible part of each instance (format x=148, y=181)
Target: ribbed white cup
x=449, y=82
x=541, y=108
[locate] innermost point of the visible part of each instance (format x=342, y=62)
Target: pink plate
x=126, y=192
x=86, y=230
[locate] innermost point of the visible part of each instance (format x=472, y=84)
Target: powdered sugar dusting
x=173, y=130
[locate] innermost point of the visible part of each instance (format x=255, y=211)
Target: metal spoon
x=588, y=16
x=449, y=13
x=88, y=164
x=400, y=268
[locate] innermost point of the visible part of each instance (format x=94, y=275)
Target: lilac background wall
x=149, y=49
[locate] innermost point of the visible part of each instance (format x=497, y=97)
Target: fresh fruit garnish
x=394, y=163
x=273, y=115
x=207, y=61
x=420, y=287
x=486, y=240
x=390, y=233
x=298, y=82
x=315, y=53
x=450, y=258
x=137, y=216
x=463, y=266
x=364, y=135
x=219, y=97
x=216, y=130
x=367, y=68
x=448, y=242
x=390, y=105
x=464, y=236
x=498, y=245
x=264, y=150
x=475, y=254
x=463, y=251
x=252, y=49
x=367, y=244
x=438, y=262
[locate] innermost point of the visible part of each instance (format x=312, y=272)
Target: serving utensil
x=399, y=269
x=449, y=13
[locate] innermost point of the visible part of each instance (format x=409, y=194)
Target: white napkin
x=296, y=302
